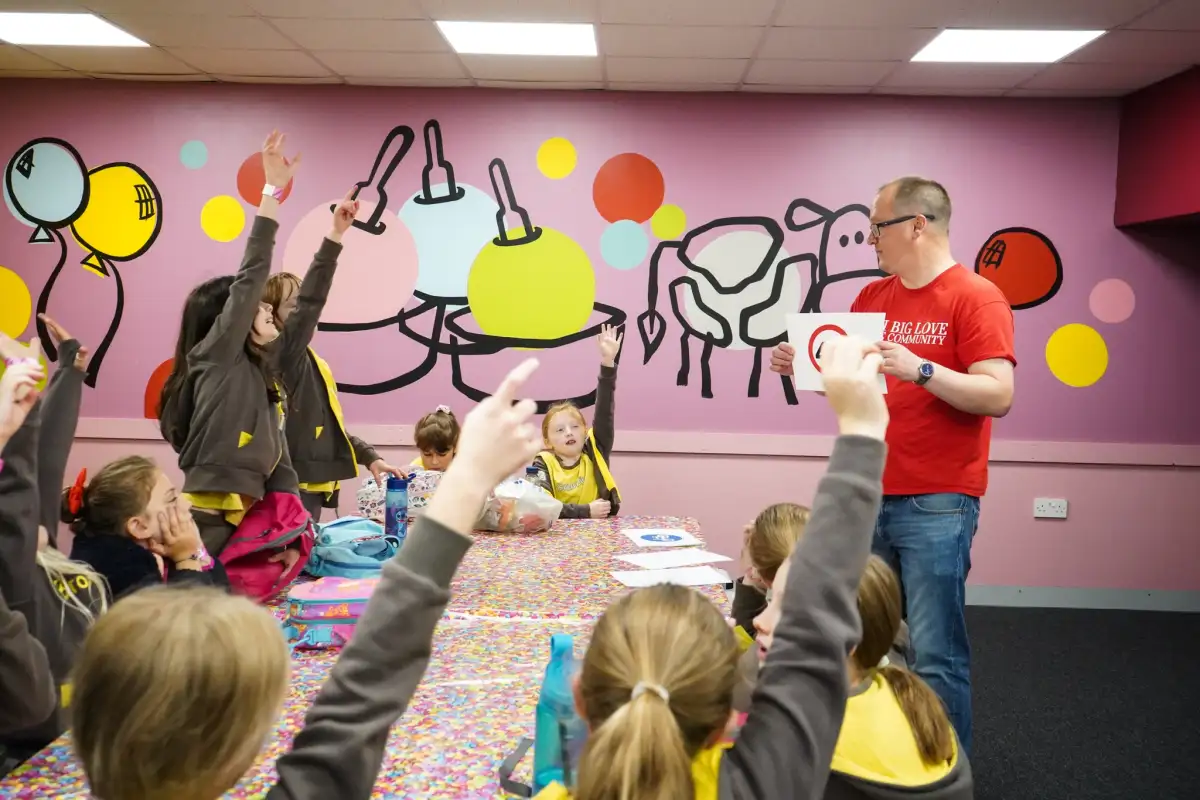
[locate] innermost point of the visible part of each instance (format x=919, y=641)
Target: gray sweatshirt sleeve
x=28, y=694
x=364, y=454
x=60, y=418
x=796, y=711
x=605, y=416
x=228, y=335
x=292, y=346
x=340, y=750
x=19, y=514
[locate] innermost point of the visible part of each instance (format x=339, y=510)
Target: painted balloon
x=449, y=235
x=123, y=215
x=47, y=182
x=1024, y=264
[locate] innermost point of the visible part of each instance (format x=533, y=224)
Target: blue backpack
x=351, y=547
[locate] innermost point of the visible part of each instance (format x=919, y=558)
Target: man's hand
x=782, y=357
x=899, y=361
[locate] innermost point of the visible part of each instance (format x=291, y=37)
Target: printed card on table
x=682, y=576
x=809, y=332
x=661, y=537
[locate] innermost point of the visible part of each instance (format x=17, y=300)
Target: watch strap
x=923, y=377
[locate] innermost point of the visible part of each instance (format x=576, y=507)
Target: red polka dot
x=251, y=179
x=628, y=186
x=154, y=387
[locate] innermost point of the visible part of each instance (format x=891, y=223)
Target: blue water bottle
x=395, y=514
x=560, y=733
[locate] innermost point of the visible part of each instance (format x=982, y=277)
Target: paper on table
x=684, y=576
x=664, y=559
x=807, y=332
x=661, y=537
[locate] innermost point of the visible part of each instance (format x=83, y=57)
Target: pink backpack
x=277, y=521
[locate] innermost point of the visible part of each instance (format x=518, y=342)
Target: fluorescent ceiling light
x=520, y=38
x=87, y=30
x=1004, y=47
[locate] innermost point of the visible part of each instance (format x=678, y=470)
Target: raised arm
x=28, y=694
x=604, y=418
x=227, y=336
x=18, y=487
x=60, y=418
x=340, y=749
x=796, y=711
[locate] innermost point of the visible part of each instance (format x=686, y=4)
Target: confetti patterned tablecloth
x=477, y=698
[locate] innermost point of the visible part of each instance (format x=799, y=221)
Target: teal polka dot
x=193, y=154
x=624, y=244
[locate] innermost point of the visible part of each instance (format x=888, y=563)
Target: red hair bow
x=75, y=495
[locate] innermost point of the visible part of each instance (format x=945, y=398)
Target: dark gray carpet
x=1085, y=705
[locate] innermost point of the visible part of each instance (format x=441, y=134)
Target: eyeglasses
x=876, y=227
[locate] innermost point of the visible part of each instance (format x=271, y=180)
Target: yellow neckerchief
x=329, y=487
x=417, y=462
x=705, y=769
x=233, y=507
x=877, y=743
x=578, y=484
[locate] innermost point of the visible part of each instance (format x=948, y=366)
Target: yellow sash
x=335, y=405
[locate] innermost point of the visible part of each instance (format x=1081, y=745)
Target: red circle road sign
x=812, y=340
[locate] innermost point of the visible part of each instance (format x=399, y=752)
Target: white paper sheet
x=684, y=576
x=665, y=559
x=661, y=537
x=807, y=332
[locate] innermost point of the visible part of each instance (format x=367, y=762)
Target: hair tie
x=641, y=687
x=75, y=495
x=442, y=410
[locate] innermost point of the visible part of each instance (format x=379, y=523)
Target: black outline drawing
x=987, y=250
x=652, y=325
x=460, y=340
x=149, y=202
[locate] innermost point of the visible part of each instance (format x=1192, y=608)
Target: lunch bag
x=351, y=547
x=322, y=613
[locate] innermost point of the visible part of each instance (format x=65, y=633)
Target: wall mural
x=462, y=271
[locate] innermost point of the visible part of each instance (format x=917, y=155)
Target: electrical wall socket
x=1049, y=508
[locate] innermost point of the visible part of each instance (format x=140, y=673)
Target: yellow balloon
x=542, y=290
x=16, y=305
x=123, y=214
x=1077, y=355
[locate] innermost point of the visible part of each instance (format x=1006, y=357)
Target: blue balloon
x=47, y=182
x=194, y=154
x=448, y=236
x=12, y=209
x=624, y=244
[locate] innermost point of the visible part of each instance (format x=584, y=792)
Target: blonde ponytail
x=656, y=688
x=925, y=714
x=71, y=579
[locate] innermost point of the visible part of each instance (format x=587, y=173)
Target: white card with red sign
x=808, y=332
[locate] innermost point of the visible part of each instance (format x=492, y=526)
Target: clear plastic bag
x=518, y=506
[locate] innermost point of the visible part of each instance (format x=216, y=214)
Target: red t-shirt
x=957, y=320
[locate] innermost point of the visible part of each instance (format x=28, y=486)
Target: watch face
x=927, y=369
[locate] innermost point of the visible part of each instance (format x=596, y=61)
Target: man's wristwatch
x=924, y=372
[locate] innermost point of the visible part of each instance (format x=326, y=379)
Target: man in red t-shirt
x=948, y=355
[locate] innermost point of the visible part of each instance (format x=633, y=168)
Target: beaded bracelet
x=12, y=362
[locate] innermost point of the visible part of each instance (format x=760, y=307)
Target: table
x=478, y=697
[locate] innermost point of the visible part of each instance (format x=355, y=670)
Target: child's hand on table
x=599, y=509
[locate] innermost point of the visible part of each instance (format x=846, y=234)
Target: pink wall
x=1045, y=166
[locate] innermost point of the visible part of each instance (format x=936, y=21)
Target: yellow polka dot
x=16, y=306
x=1077, y=355
x=669, y=222
x=222, y=218
x=556, y=158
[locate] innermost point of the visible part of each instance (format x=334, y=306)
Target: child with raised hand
x=221, y=408
x=176, y=690
x=656, y=687
x=58, y=597
x=896, y=740
x=574, y=462
x=323, y=452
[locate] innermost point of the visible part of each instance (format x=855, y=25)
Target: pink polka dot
x=1112, y=300
x=376, y=273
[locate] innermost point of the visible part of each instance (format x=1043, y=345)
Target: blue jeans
x=926, y=539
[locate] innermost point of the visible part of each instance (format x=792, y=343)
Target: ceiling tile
x=915, y=91
x=397, y=36
x=685, y=41
x=1173, y=15
x=138, y=60
x=524, y=11
x=933, y=75
x=283, y=63
x=20, y=73
x=1118, y=77
x=216, y=8
x=14, y=58
x=533, y=68
x=768, y=88
x=623, y=86
x=1141, y=47
x=339, y=9
x=391, y=65
x=557, y=85
x=1064, y=93
x=670, y=70
x=687, y=12
x=192, y=78
x=780, y=72
x=41, y=5
x=1091, y=14
x=202, y=31
x=846, y=44
x=370, y=80
x=277, y=79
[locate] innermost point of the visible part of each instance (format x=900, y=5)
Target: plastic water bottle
x=395, y=514
x=534, y=476
x=560, y=733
